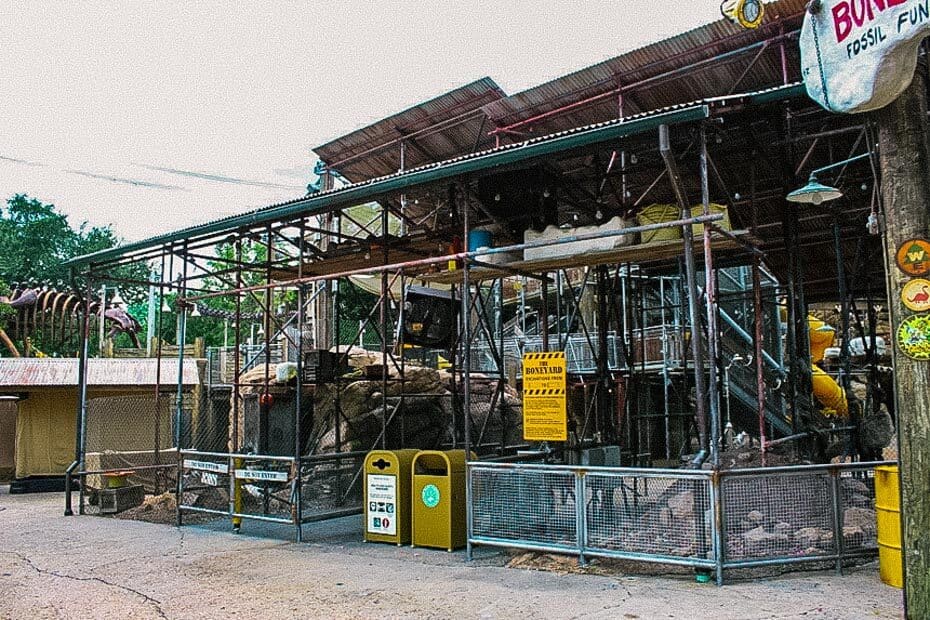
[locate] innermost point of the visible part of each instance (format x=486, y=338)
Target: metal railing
x=714, y=521
x=275, y=489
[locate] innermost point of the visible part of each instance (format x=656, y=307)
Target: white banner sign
x=257, y=474
x=219, y=468
x=860, y=55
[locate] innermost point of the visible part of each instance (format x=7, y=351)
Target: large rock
x=682, y=505
x=862, y=518
x=760, y=543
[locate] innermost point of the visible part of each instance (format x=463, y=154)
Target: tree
x=35, y=242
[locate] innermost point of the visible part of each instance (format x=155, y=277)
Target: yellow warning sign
x=544, y=409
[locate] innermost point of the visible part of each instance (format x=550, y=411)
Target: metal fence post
x=837, y=519
x=581, y=517
x=469, y=510
x=718, y=532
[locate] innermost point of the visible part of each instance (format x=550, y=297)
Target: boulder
x=682, y=505
x=861, y=518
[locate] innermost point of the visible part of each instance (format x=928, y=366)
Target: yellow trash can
x=387, y=496
x=439, y=499
x=888, y=514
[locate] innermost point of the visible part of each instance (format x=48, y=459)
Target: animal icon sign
x=860, y=55
x=916, y=295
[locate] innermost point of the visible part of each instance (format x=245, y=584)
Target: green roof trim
x=431, y=173
x=368, y=190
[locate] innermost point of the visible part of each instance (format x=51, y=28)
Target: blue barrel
x=479, y=239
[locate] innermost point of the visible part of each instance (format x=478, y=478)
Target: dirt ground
x=91, y=567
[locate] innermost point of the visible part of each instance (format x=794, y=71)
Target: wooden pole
x=905, y=181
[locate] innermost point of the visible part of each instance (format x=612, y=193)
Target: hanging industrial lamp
x=815, y=192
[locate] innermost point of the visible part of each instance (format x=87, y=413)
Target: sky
x=154, y=116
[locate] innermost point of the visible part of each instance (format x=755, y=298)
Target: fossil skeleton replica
x=58, y=314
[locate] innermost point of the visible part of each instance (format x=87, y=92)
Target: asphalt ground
x=53, y=566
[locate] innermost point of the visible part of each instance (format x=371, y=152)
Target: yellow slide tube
x=826, y=390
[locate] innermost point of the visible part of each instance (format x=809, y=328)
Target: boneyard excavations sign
x=860, y=55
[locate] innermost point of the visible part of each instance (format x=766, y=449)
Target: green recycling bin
x=438, y=508
x=387, y=496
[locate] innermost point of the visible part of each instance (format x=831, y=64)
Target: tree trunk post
x=905, y=179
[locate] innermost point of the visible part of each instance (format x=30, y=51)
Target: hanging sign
x=914, y=257
x=914, y=337
x=545, y=415
x=916, y=295
x=382, y=504
x=219, y=468
x=860, y=55
x=257, y=474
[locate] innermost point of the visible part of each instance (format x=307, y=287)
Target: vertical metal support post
x=234, y=485
x=179, y=405
x=337, y=338
x=666, y=375
x=835, y=493
x=544, y=325
x=385, y=300
x=697, y=345
x=502, y=379
x=605, y=420
x=81, y=435
x=845, y=379
x=718, y=534
x=581, y=516
x=710, y=290
x=466, y=382
x=758, y=343
x=299, y=396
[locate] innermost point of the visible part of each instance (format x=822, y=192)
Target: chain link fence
x=130, y=449
x=726, y=520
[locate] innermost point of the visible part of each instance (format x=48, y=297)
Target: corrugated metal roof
x=366, y=152
x=429, y=173
x=710, y=60
x=24, y=373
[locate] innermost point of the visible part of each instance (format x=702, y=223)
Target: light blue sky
x=103, y=104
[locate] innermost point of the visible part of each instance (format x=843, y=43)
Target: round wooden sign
x=914, y=337
x=916, y=295
x=914, y=257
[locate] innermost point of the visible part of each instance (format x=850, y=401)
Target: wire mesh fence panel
x=857, y=502
x=524, y=506
x=264, y=488
x=210, y=424
x=657, y=516
x=496, y=417
x=205, y=483
x=331, y=484
x=778, y=515
x=130, y=441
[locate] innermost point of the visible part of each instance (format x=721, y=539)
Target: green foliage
x=35, y=242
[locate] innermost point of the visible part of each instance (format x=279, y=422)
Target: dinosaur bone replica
x=58, y=313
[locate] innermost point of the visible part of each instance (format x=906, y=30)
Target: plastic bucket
x=658, y=214
x=478, y=239
x=698, y=210
x=888, y=515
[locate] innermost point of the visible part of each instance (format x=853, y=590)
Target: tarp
x=7, y=436
x=45, y=430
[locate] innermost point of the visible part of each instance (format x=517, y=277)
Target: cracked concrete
x=90, y=567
